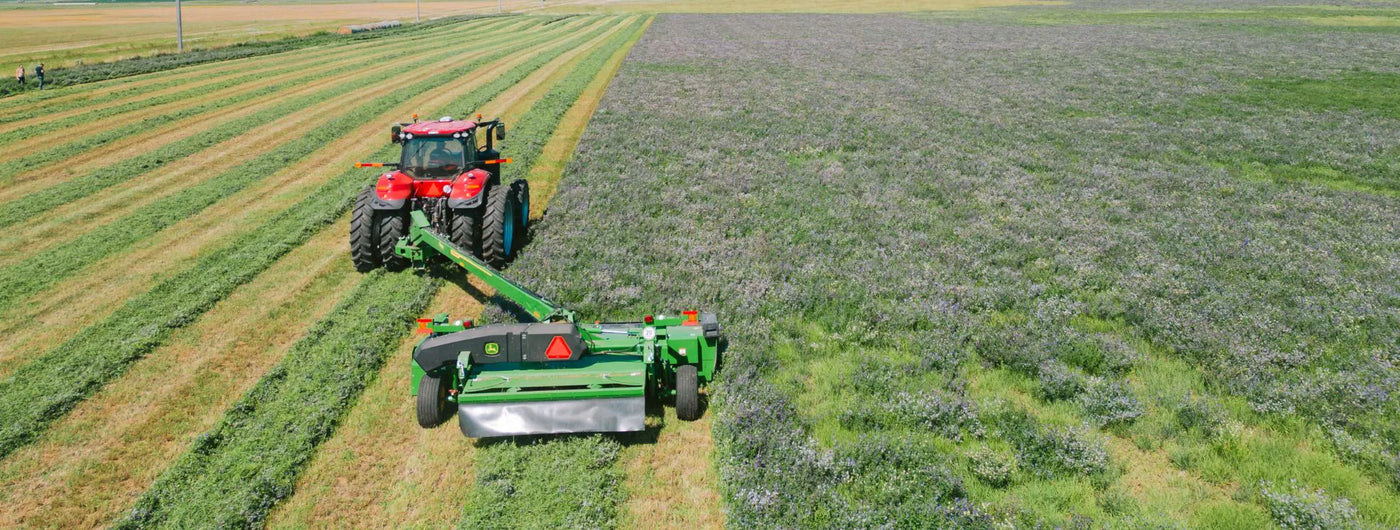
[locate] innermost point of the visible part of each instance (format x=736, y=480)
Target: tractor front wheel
x=432, y=401
x=687, y=393
x=498, y=223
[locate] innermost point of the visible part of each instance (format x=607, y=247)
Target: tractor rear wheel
x=466, y=230
x=391, y=226
x=498, y=223
x=432, y=401
x=521, y=189
x=364, y=252
x=687, y=393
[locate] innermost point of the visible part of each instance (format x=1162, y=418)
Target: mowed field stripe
x=105, y=286
x=158, y=141
x=21, y=280
x=287, y=415
x=148, y=425
x=188, y=79
x=98, y=459
x=562, y=481
x=85, y=126
x=24, y=105
x=73, y=218
x=380, y=469
x=48, y=387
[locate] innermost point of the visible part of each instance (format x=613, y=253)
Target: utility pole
x=179, y=29
x=417, y=10
x=498, y=7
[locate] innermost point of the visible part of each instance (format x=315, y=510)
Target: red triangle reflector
x=558, y=349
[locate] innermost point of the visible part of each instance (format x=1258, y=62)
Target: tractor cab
x=444, y=148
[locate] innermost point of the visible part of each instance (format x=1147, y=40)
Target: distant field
x=66, y=35
x=778, y=6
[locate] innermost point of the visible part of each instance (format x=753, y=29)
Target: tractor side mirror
x=501, y=132
x=394, y=133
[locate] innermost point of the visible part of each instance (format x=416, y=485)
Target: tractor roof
x=440, y=127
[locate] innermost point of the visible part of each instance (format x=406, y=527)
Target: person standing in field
x=19, y=75
x=39, y=73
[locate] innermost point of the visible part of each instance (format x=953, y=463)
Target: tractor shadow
x=446, y=272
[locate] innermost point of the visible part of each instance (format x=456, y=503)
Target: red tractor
x=455, y=181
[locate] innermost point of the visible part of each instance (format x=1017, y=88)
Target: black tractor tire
x=498, y=227
x=687, y=393
x=466, y=230
x=391, y=226
x=432, y=401
x=364, y=251
x=521, y=189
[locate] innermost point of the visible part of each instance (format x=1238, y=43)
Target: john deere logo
x=492, y=348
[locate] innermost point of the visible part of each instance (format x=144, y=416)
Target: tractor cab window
x=432, y=157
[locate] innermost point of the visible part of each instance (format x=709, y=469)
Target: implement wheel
x=364, y=251
x=687, y=393
x=498, y=223
x=432, y=402
x=466, y=230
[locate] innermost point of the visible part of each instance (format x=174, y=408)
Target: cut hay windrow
x=309, y=68
x=45, y=389
x=188, y=85
x=126, y=169
x=579, y=471
x=21, y=279
x=184, y=241
x=87, y=73
x=250, y=460
x=118, y=91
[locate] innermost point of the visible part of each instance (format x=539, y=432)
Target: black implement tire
x=432, y=401
x=391, y=226
x=498, y=227
x=466, y=230
x=521, y=189
x=364, y=252
x=687, y=393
